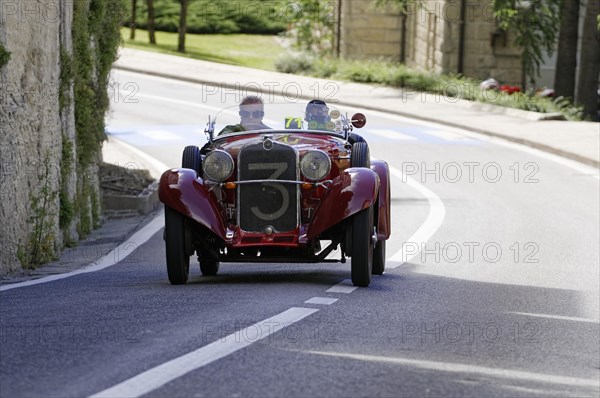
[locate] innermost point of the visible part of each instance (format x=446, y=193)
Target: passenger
x=318, y=118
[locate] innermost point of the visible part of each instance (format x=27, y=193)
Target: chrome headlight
x=315, y=165
x=218, y=165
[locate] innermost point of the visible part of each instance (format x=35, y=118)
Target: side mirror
x=359, y=120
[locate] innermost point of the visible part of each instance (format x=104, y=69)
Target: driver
x=252, y=111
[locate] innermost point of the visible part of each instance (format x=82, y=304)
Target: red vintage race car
x=289, y=188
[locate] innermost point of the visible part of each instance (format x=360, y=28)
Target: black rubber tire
x=209, y=267
x=362, y=247
x=360, y=156
x=177, y=241
x=192, y=159
x=354, y=138
x=379, y=258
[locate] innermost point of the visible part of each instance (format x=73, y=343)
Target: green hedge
x=398, y=75
x=216, y=16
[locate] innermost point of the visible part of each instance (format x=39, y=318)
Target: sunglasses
x=255, y=114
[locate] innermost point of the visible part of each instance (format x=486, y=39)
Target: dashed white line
x=344, y=286
x=321, y=300
x=392, y=134
x=446, y=134
x=160, y=375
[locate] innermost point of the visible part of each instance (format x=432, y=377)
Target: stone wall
x=38, y=145
x=368, y=32
x=429, y=44
x=432, y=37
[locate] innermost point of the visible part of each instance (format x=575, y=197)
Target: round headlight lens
x=315, y=165
x=218, y=165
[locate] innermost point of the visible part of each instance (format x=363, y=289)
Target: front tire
x=191, y=159
x=362, y=247
x=360, y=156
x=177, y=241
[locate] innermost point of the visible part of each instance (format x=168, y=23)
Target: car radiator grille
x=268, y=204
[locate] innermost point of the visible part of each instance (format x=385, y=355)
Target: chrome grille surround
x=262, y=203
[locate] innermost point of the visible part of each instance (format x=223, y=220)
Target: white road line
x=559, y=317
x=160, y=135
x=344, y=286
x=448, y=135
x=573, y=164
x=233, y=111
x=220, y=111
x=155, y=167
x=391, y=134
x=118, y=254
x=321, y=300
x=159, y=376
x=437, y=213
x=472, y=369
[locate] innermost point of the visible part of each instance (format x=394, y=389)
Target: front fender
x=384, y=220
x=354, y=190
x=183, y=191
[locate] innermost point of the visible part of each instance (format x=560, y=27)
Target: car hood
x=301, y=141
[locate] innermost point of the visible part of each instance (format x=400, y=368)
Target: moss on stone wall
x=96, y=38
x=4, y=56
x=67, y=210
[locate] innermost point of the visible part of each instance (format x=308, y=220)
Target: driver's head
x=252, y=109
x=317, y=110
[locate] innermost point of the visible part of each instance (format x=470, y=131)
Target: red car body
x=258, y=214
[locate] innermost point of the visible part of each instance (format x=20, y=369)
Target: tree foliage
x=534, y=24
x=219, y=16
x=311, y=25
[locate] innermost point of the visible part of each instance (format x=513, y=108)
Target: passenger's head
x=317, y=111
x=252, y=109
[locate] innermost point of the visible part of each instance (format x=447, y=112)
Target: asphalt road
x=492, y=287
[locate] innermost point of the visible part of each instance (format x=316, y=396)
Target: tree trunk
x=182, y=25
x=587, y=88
x=566, y=58
x=151, y=22
x=133, y=19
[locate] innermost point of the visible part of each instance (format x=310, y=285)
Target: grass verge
x=398, y=75
x=254, y=51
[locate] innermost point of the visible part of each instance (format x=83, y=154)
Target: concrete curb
x=144, y=203
x=477, y=106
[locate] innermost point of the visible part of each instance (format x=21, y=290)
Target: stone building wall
x=428, y=44
x=432, y=38
x=30, y=126
x=368, y=32
x=34, y=128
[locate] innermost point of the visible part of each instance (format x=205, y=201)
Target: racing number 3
x=278, y=169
